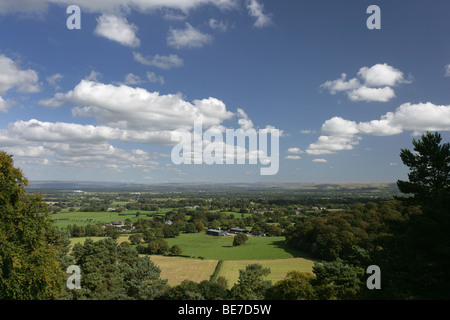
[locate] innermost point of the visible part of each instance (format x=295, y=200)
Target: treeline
x=408, y=239
x=334, y=235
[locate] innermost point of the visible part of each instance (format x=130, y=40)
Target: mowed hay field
x=278, y=268
x=176, y=269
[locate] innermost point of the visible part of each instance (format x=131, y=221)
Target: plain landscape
x=201, y=253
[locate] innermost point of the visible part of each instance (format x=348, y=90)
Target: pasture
x=201, y=254
x=221, y=248
x=64, y=219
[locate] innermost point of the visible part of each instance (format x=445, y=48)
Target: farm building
x=218, y=233
x=237, y=230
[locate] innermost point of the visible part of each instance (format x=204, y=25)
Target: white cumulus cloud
x=447, y=70
x=162, y=62
x=125, y=107
x=189, y=37
x=371, y=94
x=117, y=29
x=341, y=134
x=373, y=85
x=381, y=75
x=120, y=6
x=256, y=10
x=295, y=150
x=12, y=77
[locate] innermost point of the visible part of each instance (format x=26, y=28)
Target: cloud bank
x=340, y=134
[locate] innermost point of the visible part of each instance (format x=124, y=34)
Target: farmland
x=209, y=247
x=201, y=254
x=188, y=212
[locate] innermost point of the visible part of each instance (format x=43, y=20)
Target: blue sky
x=99, y=103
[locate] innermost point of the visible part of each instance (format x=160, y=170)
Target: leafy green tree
x=153, y=247
x=213, y=290
x=251, y=284
x=158, y=246
x=135, y=239
x=175, y=250
x=170, y=231
x=338, y=280
x=186, y=290
x=295, y=286
x=94, y=230
x=190, y=228
x=141, y=249
x=111, y=231
x=199, y=225
x=222, y=281
x=239, y=239
x=163, y=246
x=29, y=265
x=110, y=272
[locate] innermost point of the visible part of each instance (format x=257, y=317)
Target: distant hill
x=342, y=189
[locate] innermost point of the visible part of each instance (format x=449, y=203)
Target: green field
x=64, y=219
x=221, y=248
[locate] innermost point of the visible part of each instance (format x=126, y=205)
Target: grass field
x=64, y=219
x=217, y=248
x=278, y=268
x=83, y=239
x=176, y=269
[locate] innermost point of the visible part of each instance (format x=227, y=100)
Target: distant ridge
x=205, y=186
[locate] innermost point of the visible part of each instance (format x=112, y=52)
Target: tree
x=213, y=290
x=239, y=239
x=135, y=239
x=416, y=260
x=190, y=228
x=175, y=250
x=186, y=290
x=111, y=231
x=153, y=247
x=111, y=272
x=338, y=280
x=170, y=231
x=295, y=286
x=163, y=246
x=251, y=285
x=429, y=177
x=29, y=265
x=199, y=225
